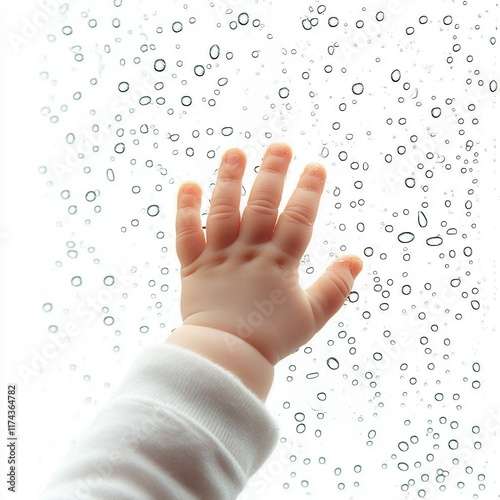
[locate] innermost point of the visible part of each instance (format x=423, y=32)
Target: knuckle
x=262, y=206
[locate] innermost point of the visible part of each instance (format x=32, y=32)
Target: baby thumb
x=328, y=293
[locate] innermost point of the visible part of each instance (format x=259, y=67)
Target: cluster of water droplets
x=387, y=391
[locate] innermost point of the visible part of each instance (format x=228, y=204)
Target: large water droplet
x=406, y=237
x=160, y=64
x=358, y=88
x=332, y=363
x=396, y=75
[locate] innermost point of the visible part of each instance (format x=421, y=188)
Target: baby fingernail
x=232, y=157
x=278, y=149
x=355, y=264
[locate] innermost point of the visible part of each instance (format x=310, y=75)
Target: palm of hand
x=244, y=278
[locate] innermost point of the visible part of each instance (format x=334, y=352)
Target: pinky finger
x=190, y=239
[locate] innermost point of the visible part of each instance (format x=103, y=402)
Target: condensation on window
x=397, y=396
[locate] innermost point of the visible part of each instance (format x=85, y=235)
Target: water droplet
x=76, y=280
x=177, y=27
x=160, y=65
x=406, y=237
x=332, y=363
x=108, y=320
x=91, y=196
x=333, y=21
x=284, y=92
x=199, y=70
x=447, y=20
x=422, y=219
x=493, y=86
x=120, y=148
x=358, y=88
x=396, y=75
x=153, y=210
x=186, y=100
x=123, y=86
x=403, y=446
x=214, y=51
x=243, y=18
x=47, y=307
x=434, y=241
x=109, y=280
x=436, y=112
x=226, y=131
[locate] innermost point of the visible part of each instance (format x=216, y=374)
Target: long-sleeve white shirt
x=179, y=427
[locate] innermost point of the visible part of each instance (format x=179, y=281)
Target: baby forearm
x=229, y=351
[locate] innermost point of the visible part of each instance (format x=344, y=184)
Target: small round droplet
x=109, y=280
x=160, y=64
x=177, y=27
x=332, y=363
x=120, y=148
x=91, y=196
x=333, y=21
x=76, y=280
x=199, y=70
x=153, y=210
x=396, y=75
x=403, y=446
x=358, y=88
x=123, y=86
x=243, y=18
x=186, y=100
x=436, y=112
x=284, y=92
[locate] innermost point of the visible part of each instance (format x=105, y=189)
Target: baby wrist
x=229, y=351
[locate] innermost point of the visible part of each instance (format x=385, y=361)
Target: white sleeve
x=179, y=427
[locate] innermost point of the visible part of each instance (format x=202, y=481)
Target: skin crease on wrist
x=241, y=303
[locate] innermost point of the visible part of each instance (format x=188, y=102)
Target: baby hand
x=243, y=279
